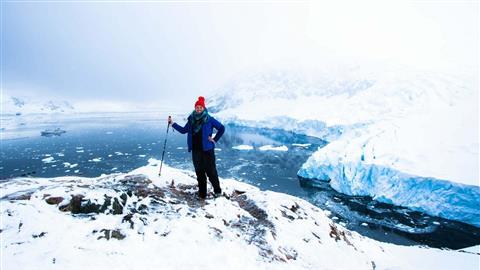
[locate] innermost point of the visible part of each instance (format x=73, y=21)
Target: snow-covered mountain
x=28, y=105
x=398, y=135
x=140, y=220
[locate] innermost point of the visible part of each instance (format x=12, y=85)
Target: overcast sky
x=173, y=52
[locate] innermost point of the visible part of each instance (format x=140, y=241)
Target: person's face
x=199, y=109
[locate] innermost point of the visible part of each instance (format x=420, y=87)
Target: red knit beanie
x=200, y=101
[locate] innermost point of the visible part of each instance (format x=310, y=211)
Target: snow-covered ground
x=139, y=220
x=402, y=136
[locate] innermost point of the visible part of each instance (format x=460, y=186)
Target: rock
x=19, y=197
x=117, y=207
x=124, y=198
x=42, y=234
x=54, y=200
x=74, y=204
x=108, y=234
x=117, y=235
x=128, y=218
x=78, y=205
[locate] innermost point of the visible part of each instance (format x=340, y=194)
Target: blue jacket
x=207, y=130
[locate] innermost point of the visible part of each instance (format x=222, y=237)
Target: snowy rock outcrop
x=141, y=220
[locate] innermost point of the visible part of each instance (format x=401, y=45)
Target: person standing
x=199, y=129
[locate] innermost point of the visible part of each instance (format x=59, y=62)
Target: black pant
x=204, y=163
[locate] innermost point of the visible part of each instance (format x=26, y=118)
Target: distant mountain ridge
x=27, y=105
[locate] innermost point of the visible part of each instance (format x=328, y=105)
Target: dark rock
x=165, y=233
x=42, y=234
x=107, y=202
x=144, y=221
x=124, y=198
x=217, y=232
x=88, y=207
x=128, y=218
x=294, y=207
x=78, y=205
x=108, y=234
x=117, y=207
x=238, y=192
x=289, y=253
x=74, y=204
x=284, y=214
x=117, y=235
x=318, y=237
x=19, y=197
x=339, y=235
x=54, y=200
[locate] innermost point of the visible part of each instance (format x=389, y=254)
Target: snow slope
x=139, y=220
x=398, y=135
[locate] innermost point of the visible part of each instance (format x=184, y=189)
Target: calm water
x=105, y=145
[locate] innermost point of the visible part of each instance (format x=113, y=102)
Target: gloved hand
x=170, y=121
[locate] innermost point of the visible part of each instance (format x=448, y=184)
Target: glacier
x=398, y=134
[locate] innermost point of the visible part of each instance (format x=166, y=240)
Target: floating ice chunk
x=142, y=155
x=243, y=147
x=80, y=151
x=119, y=153
x=95, y=159
x=273, y=148
x=48, y=160
x=301, y=144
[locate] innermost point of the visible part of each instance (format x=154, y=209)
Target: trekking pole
x=164, y=146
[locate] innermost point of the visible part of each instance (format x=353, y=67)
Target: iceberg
x=242, y=147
